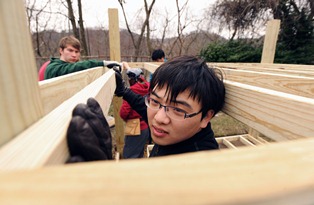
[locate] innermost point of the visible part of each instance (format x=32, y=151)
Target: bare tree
x=34, y=13
x=181, y=26
x=85, y=51
x=137, y=42
x=71, y=17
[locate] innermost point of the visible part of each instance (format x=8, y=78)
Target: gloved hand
x=120, y=85
x=106, y=63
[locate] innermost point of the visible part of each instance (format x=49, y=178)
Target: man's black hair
x=190, y=73
x=158, y=54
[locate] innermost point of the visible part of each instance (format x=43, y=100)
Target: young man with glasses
x=184, y=95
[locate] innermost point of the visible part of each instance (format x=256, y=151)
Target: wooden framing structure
x=34, y=119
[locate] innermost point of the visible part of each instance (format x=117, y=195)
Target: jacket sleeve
x=125, y=110
x=137, y=102
x=56, y=69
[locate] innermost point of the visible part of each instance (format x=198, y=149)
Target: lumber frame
x=44, y=143
x=306, y=71
x=20, y=103
x=277, y=173
x=270, y=41
x=297, y=85
x=270, y=112
x=54, y=91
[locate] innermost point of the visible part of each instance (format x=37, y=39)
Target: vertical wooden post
x=270, y=41
x=20, y=103
x=114, y=45
x=268, y=55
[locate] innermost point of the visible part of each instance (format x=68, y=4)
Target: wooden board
x=297, y=85
x=306, y=71
x=55, y=91
x=44, y=143
x=20, y=103
x=277, y=115
x=238, y=141
x=278, y=173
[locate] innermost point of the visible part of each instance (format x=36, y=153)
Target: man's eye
x=178, y=110
x=154, y=102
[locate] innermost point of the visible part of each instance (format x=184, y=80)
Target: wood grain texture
x=20, y=103
x=115, y=54
x=277, y=173
x=305, y=71
x=56, y=90
x=44, y=143
x=270, y=41
x=277, y=115
x=297, y=85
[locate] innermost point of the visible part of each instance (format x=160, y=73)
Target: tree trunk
x=72, y=19
x=85, y=51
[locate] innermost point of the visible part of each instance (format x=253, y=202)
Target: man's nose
x=161, y=115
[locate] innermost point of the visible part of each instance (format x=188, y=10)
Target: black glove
x=120, y=85
x=82, y=142
x=88, y=135
x=104, y=138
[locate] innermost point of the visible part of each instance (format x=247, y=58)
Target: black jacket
x=203, y=140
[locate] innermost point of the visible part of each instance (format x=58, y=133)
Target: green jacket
x=57, y=67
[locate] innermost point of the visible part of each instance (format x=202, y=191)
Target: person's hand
x=120, y=85
x=125, y=66
x=106, y=63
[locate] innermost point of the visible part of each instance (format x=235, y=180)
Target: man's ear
x=60, y=51
x=207, y=118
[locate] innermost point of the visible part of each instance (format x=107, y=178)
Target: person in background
x=134, y=145
x=70, y=53
x=178, y=109
x=158, y=55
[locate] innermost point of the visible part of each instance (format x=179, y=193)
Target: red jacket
x=41, y=73
x=126, y=111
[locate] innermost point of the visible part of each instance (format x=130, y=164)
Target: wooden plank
x=277, y=115
x=277, y=66
x=44, y=143
x=151, y=67
x=115, y=54
x=246, y=142
x=195, y=178
x=54, y=91
x=270, y=41
x=256, y=141
x=265, y=68
x=20, y=103
x=228, y=144
x=297, y=85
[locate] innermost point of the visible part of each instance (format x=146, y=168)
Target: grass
x=224, y=125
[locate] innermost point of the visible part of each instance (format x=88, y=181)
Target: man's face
x=70, y=54
x=167, y=131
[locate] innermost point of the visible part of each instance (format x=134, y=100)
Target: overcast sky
x=96, y=11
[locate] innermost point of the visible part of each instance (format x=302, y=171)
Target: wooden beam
x=269, y=68
x=151, y=67
x=270, y=41
x=277, y=115
x=55, y=91
x=277, y=66
x=210, y=177
x=297, y=85
x=20, y=104
x=114, y=42
x=44, y=143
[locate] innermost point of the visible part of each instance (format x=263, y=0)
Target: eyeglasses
x=172, y=112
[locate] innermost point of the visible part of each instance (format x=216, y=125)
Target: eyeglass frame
x=169, y=106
